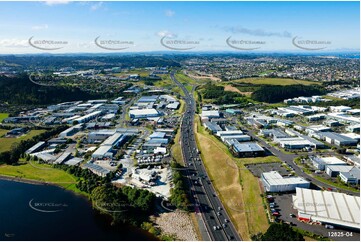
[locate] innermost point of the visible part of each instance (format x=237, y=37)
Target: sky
x=96, y=27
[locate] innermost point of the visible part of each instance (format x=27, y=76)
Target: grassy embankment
x=34, y=172
x=238, y=189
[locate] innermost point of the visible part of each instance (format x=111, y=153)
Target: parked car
x=328, y=226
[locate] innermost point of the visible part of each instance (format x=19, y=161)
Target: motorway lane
x=289, y=159
x=206, y=200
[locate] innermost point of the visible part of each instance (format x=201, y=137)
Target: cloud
x=166, y=33
x=96, y=6
x=169, y=13
x=13, y=43
x=40, y=27
x=56, y=2
x=256, y=32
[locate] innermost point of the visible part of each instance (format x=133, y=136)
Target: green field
x=185, y=79
x=3, y=116
x=275, y=81
x=41, y=172
x=6, y=143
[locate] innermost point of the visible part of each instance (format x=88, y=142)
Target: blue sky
x=207, y=25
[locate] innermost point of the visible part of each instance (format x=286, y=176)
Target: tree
x=281, y=232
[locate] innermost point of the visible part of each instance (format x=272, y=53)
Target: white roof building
x=143, y=113
x=210, y=114
x=327, y=207
x=274, y=182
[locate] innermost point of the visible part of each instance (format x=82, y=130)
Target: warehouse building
x=70, y=131
x=320, y=163
x=104, y=151
x=213, y=127
x=38, y=146
x=100, y=135
x=335, y=170
x=210, y=114
x=247, y=149
x=143, y=113
x=327, y=207
x=337, y=139
x=351, y=177
x=274, y=182
x=96, y=169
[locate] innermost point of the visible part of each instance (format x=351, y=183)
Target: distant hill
x=21, y=91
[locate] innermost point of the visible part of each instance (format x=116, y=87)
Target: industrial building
x=210, y=114
x=100, y=135
x=337, y=139
x=96, y=169
x=320, y=163
x=143, y=113
x=351, y=177
x=70, y=131
x=327, y=207
x=213, y=127
x=36, y=147
x=247, y=149
x=335, y=170
x=274, y=182
x=104, y=151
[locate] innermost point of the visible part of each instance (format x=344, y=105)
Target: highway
x=204, y=197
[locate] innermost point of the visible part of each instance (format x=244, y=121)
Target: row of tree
x=274, y=94
x=178, y=193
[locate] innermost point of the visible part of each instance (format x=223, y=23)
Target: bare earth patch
x=231, y=88
x=177, y=223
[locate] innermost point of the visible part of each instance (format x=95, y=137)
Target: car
x=226, y=220
x=276, y=214
x=224, y=225
x=219, y=208
x=292, y=215
x=328, y=226
x=214, y=228
x=218, y=213
x=218, y=227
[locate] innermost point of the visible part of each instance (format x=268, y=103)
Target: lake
x=44, y=212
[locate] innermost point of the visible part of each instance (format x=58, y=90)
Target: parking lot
x=284, y=207
x=258, y=169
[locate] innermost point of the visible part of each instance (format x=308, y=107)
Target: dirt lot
x=231, y=88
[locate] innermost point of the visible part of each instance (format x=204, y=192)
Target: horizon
x=146, y=27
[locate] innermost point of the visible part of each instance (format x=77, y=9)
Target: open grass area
x=257, y=160
x=166, y=82
x=3, y=116
x=238, y=189
x=181, y=107
x=6, y=143
x=176, y=149
x=41, y=172
x=185, y=79
x=275, y=81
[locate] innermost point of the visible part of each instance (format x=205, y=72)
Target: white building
x=274, y=182
x=143, y=113
x=327, y=207
x=320, y=163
